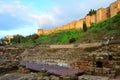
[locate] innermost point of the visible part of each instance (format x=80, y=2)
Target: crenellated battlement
x=101, y=14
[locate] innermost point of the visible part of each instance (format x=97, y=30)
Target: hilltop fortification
x=100, y=15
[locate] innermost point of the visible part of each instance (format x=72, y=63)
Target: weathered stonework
x=79, y=24
x=88, y=20
x=114, y=8
x=40, y=31
x=66, y=27
x=47, y=31
x=101, y=15
x=93, y=18
x=100, y=64
x=72, y=25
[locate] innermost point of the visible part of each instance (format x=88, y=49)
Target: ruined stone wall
x=100, y=64
x=101, y=14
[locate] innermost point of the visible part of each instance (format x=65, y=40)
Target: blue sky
x=26, y=16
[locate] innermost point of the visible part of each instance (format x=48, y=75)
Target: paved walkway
x=82, y=45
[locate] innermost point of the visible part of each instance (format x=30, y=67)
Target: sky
x=24, y=17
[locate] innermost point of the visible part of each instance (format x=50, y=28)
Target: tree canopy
x=92, y=12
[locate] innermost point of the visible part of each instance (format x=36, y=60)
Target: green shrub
x=84, y=27
x=72, y=40
x=92, y=33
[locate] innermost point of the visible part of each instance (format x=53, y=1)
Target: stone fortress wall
x=101, y=14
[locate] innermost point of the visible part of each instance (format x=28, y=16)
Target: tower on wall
x=102, y=14
x=114, y=8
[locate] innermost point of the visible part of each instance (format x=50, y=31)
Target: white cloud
x=46, y=20
x=17, y=10
x=57, y=10
x=25, y=30
x=61, y=13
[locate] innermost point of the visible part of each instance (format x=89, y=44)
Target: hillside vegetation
x=94, y=33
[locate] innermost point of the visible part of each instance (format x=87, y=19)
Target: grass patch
x=94, y=33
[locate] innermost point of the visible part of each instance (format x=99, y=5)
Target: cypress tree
x=84, y=26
